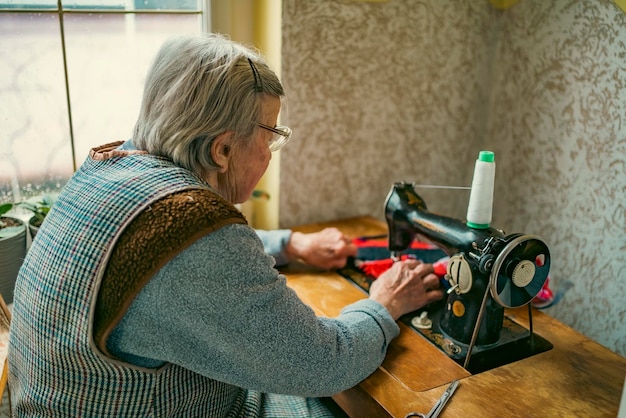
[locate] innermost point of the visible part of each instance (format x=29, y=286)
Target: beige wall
x=413, y=90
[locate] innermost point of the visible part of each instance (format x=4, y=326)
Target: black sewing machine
x=487, y=272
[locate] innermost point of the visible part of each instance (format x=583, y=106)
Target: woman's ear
x=221, y=150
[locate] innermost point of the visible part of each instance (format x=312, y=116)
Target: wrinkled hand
x=326, y=249
x=408, y=285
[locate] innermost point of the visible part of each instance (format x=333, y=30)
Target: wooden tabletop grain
x=576, y=378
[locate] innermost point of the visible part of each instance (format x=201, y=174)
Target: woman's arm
x=326, y=249
x=222, y=310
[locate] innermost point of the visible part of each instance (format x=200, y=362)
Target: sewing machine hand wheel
x=519, y=271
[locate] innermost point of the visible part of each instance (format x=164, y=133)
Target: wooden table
x=577, y=377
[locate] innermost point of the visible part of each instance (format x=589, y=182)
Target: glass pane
x=108, y=57
x=30, y=4
x=35, y=148
x=93, y=4
x=104, y=4
x=167, y=4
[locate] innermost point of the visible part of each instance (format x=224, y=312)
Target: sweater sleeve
x=274, y=244
x=222, y=310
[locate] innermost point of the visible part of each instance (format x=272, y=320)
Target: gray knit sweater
x=225, y=312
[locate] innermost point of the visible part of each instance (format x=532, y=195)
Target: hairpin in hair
x=258, y=83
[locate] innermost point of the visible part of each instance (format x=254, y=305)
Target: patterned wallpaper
x=413, y=89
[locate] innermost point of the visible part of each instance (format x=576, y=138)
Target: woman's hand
x=326, y=249
x=408, y=285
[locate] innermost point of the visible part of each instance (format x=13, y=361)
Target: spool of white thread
x=481, y=195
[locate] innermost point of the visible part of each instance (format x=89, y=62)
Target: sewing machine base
x=515, y=342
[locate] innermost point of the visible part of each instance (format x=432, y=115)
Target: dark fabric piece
x=376, y=249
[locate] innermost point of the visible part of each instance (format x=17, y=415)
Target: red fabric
x=375, y=268
x=382, y=242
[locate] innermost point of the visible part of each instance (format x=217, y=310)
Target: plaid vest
x=55, y=367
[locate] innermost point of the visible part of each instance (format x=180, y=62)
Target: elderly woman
x=147, y=294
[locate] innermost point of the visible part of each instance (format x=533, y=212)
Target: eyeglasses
x=282, y=135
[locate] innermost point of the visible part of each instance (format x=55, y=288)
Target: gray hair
x=198, y=88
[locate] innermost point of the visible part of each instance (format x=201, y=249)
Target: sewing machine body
x=487, y=272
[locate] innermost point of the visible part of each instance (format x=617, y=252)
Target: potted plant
x=12, y=250
x=39, y=210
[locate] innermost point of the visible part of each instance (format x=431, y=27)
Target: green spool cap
x=486, y=156
x=477, y=226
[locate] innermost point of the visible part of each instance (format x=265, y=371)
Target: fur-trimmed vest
x=118, y=220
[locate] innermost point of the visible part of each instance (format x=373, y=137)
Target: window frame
x=15, y=189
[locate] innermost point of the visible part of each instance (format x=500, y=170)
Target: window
x=71, y=78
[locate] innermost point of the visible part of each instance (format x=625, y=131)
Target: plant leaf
x=4, y=208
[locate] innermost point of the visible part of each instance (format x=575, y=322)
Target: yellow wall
x=256, y=23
